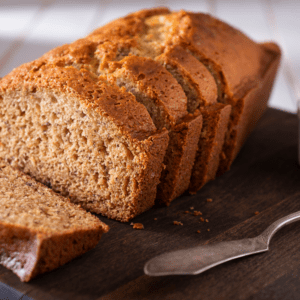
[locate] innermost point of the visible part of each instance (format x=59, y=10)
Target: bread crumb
x=197, y=213
x=201, y=219
x=187, y=212
x=178, y=223
x=192, y=207
x=198, y=231
x=131, y=223
x=208, y=229
x=155, y=219
x=209, y=200
x=206, y=220
x=138, y=226
x=256, y=213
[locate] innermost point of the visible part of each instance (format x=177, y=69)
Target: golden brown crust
x=126, y=27
x=215, y=115
x=29, y=253
x=240, y=60
x=151, y=178
x=165, y=92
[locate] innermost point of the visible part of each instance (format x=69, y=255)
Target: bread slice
x=40, y=230
x=85, y=138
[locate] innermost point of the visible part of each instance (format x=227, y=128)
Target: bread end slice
x=39, y=229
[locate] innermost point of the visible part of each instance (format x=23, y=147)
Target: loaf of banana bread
x=145, y=107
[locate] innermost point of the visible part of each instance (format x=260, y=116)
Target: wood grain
x=265, y=177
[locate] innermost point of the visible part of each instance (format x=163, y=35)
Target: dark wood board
x=265, y=177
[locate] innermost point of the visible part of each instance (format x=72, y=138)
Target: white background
x=30, y=28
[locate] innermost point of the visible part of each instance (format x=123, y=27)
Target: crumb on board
x=138, y=226
x=187, y=212
x=192, y=208
x=155, y=219
x=256, y=213
x=131, y=223
x=208, y=229
x=178, y=223
x=198, y=231
x=197, y=213
x=201, y=219
x=206, y=220
x=209, y=200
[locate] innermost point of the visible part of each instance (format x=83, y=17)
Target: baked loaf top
x=240, y=61
x=40, y=230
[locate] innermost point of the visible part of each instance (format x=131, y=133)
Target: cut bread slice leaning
x=85, y=138
x=40, y=230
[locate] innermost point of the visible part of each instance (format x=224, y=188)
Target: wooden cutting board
x=264, y=178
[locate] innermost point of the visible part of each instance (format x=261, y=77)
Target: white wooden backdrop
x=30, y=28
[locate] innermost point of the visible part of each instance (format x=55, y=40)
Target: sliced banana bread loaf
x=82, y=136
x=215, y=70
x=40, y=230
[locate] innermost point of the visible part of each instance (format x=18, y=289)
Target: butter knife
x=196, y=260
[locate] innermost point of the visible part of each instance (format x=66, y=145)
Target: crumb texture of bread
x=39, y=229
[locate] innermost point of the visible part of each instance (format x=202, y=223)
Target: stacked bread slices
x=144, y=108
